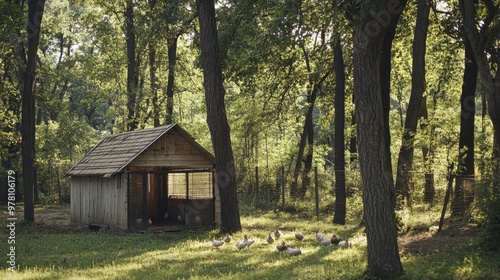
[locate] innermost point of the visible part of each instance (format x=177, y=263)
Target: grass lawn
x=51, y=249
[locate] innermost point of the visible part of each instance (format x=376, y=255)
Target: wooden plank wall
x=97, y=200
x=172, y=150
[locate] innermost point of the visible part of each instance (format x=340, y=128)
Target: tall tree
x=484, y=45
x=172, y=61
x=390, y=23
x=216, y=116
x=153, y=66
x=176, y=27
x=339, y=146
x=132, y=68
x=370, y=28
x=465, y=170
x=405, y=158
x=35, y=13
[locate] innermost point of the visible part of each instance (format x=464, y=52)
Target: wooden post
x=447, y=195
x=144, y=199
x=316, y=188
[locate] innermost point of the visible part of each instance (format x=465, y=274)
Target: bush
x=488, y=200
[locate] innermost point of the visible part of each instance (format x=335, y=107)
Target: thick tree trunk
x=339, y=161
x=465, y=172
x=388, y=19
x=374, y=156
x=35, y=13
x=132, y=73
x=405, y=158
x=489, y=77
x=172, y=61
x=216, y=116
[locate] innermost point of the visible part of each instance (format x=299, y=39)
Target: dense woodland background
x=105, y=67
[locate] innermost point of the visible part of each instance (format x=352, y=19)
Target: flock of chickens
x=283, y=246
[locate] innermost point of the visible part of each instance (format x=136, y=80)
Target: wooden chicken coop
x=158, y=178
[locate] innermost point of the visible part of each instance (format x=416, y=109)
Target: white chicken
x=227, y=238
x=270, y=239
x=319, y=236
x=277, y=233
x=247, y=241
x=166, y=216
x=325, y=241
x=293, y=252
x=180, y=218
x=217, y=243
x=299, y=236
x=241, y=245
x=345, y=244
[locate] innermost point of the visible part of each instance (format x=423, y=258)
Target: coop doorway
x=162, y=199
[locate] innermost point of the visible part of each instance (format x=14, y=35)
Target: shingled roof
x=115, y=152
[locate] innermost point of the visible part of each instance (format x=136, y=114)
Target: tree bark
x=405, y=158
x=172, y=61
x=389, y=23
x=132, y=73
x=154, y=84
x=216, y=116
x=374, y=156
x=489, y=76
x=307, y=135
x=294, y=188
x=35, y=13
x=339, y=161
x=306, y=178
x=465, y=172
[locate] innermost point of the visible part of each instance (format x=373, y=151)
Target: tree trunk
x=340, y=195
x=172, y=60
x=152, y=72
x=294, y=187
x=405, y=158
x=465, y=172
x=374, y=156
x=35, y=13
x=132, y=73
x=429, y=189
x=306, y=176
x=489, y=76
x=308, y=129
x=154, y=85
x=216, y=116
x=353, y=149
x=388, y=19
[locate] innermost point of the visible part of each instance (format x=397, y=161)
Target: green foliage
x=59, y=146
x=488, y=194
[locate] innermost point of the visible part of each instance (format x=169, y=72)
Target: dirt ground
x=431, y=241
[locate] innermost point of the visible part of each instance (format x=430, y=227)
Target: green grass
x=189, y=255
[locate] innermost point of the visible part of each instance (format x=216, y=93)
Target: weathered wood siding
x=98, y=200
x=217, y=202
x=172, y=150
